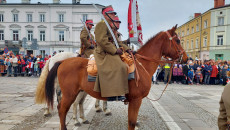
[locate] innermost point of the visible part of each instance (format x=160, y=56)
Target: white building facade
x=220, y=33
x=56, y=26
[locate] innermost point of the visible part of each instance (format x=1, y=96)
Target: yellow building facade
x=195, y=36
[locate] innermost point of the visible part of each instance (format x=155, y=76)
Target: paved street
x=181, y=107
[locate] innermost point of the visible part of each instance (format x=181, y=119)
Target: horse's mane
x=150, y=40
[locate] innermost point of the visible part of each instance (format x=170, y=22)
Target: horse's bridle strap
x=153, y=60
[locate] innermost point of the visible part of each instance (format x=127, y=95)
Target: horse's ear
x=174, y=28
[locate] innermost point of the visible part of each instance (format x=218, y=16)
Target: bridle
x=173, y=42
x=179, y=53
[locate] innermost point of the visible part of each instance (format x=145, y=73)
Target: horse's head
x=173, y=48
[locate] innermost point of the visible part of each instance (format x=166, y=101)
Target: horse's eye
x=178, y=41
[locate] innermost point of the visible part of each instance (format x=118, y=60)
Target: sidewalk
x=190, y=106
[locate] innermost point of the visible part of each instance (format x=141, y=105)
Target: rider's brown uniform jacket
x=112, y=79
x=85, y=43
x=224, y=116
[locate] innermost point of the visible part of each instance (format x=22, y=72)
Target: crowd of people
x=20, y=65
x=209, y=72
x=197, y=72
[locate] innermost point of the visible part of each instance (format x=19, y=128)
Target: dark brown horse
x=72, y=75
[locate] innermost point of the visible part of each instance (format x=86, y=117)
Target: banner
x=134, y=24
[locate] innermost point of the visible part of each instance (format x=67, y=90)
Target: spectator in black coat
x=186, y=68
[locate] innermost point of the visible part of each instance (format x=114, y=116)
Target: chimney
x=56, y=1
x=197, y=14
x=219, y=3
x=26, y=1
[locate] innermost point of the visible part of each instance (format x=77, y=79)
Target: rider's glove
x=119, y=51
x=91, y=47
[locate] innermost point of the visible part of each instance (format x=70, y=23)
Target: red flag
x=134, y=28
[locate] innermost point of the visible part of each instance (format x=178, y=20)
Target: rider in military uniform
x=224, y=116
x=112, y=78
x=87, y=44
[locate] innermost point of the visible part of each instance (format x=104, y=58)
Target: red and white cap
x=108, y=10
x=116, y=19
x=89, y=21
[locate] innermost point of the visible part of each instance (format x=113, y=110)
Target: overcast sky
x=155, y=15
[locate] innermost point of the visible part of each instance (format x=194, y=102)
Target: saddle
x=125, y=57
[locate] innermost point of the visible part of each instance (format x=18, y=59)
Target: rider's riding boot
x=116, y=98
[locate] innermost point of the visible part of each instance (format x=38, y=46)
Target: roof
x=39, y=3
x=228, y=5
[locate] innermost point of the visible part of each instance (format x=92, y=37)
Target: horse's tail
x=40, y=97
x=50, y=84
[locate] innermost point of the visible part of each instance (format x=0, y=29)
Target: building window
x=197, y=27
x=197, y=40
x=1, y=35
x=220, y=40
x=188, y=31
x=29, y=17
x=15, y=17
x=192, y=44
x=220, y=21
x=85, y=16
x=187, y=47
x=15, y=35
x=42, y=36
x=205, y=42
x=182, y=33
x=42, y=17
x=30, y=35
x=61, y=36
x=205, y=23
x=61, y=17
x=1, y=18
x=192, y=29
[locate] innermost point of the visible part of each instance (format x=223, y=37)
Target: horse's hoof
x=107, y=112
x=98, y=109
x=77, y=124
x=47, y=115
x=137, y=124
x=86, y=122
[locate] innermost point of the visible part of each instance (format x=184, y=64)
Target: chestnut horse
x=72, y=75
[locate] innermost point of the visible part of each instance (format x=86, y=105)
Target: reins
x=156, y=61
x=135, y=59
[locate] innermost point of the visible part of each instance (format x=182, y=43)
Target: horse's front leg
x=133, y=110
x=105, y=109
x=97, y=106
x=82, y=115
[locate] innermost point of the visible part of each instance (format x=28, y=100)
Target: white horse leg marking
x=47, y=111
x=105, y=109
x=79, y=101
x=97, y=106
x=81, y=108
